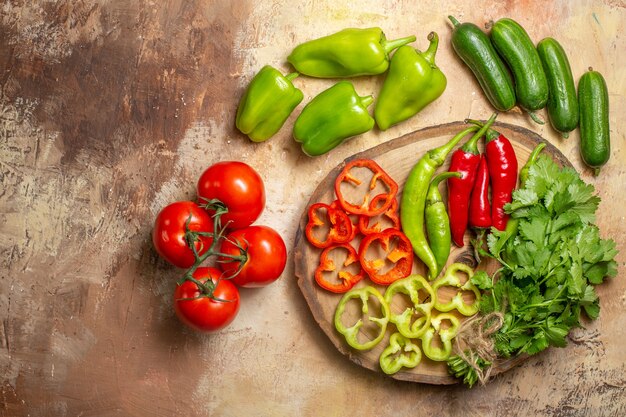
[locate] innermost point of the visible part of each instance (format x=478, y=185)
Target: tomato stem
x=217, y=235
x=218, y=208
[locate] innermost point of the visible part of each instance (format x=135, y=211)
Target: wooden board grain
x=397, y=157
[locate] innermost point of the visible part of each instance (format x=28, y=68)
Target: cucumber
x=474, y=48
x=562, y=100
x=593, y=103
x=517, y=50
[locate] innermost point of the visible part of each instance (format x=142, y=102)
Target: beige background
x=110, y=110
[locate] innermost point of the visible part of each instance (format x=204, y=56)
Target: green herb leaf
x=550, y=262
x=482, y=280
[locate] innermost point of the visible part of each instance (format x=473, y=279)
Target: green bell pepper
x=413, y=82
x=352, y=333
x=421, y=309
x=443, y=352
x=401, y=352
x=267, y=103
x=334, y=115
x=452, y=279
x=348, y=53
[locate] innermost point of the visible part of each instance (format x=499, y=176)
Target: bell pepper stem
x=367, y=100
x=429, y=54
x=396, y=43
x=292, y=75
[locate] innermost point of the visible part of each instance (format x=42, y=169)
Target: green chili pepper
x=267, y=103
x=413, y=82
x=413, y=200
x=348, y=53
x=438, y=221
x=352, y=333
x=452, y=279
x=401, y=352
x=446, y=335
x=333, y=116
x=415, y=319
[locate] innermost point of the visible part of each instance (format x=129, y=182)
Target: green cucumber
x=562, y=100
x=593, y=103
x=519, y=53
x=474, y=48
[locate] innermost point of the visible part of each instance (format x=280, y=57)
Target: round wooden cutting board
x=397, y=157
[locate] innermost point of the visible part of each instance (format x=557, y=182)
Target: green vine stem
x=218, y=235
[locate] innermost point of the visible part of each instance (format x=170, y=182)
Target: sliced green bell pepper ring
x=347, y=53
x=401, y=352
x=446, y=335
x=397, y=250
x=368, y=206
x=267, y=103
x=333, y=116
x=345, y=279
x=351, y=333
x=335, y=225
x=376, y=224
x=413, y=82
x=421, y=308
x=452, y=279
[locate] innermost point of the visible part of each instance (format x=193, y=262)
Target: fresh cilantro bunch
x=552, y=255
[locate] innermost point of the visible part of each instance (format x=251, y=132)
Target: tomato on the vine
x=266, y=256
x=169, y=233
x=202, y=312
x=239, y=187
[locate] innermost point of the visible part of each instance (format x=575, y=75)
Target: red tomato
x=266, y=256
x=239, y=187
x=168, y=234
x=204, y=313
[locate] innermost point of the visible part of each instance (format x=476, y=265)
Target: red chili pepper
x=379, y=176
x=502, y=164
x=389, y=218
x=354, y=219
x=344, y=279
x=464, y=160
x=480, y=209
x=327, y=226
x=397, y=250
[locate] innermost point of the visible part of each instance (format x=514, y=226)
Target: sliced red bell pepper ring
x=354, y=219
x=379, y=176
x=397, y=250
x=376, y=224
x=345, y=279
x=335, y=225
